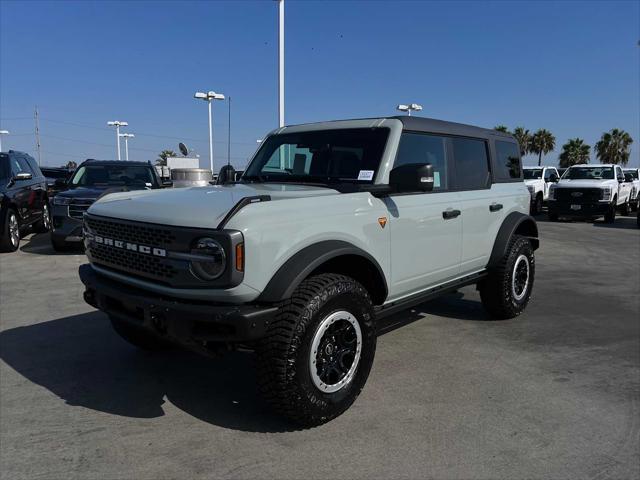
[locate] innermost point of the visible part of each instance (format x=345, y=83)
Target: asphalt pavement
x=552, y=394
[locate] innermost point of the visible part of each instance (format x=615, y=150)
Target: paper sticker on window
x=365, y=175
x=436, y=179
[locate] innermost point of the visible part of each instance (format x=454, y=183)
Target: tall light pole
x=281, y=63
x=117, y=124
x=126, y=137
x=408, y=108
x=209, y=97
x=3, y=132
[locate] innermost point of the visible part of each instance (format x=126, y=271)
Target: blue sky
x=570, y=67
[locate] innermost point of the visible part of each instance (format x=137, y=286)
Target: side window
x=19, y=165
x=508, y=163
x=547, y=174
x=424, y=148
x=471, y=163
x=33, y=166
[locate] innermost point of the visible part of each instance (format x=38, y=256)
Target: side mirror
x=167, y=184
x=628, y=177
x=554, y=178
x=23, y=176
x=412, y=177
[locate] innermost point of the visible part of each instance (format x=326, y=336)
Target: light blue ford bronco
x=332, y=227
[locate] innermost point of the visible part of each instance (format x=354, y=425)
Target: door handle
x=494, y=207
x=449, y=213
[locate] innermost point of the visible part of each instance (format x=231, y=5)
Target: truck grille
x=145, y=265
x=582, y=195
x=132, y=232
x=78, y=206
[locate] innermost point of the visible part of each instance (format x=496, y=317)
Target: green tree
x=162, y=157
x=501, y=128
x=523, y=137
x=614, y=147
x=542, y=142
x=575, y=151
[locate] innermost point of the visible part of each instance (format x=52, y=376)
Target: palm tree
x=162, y=157
x=573, y=152
x=523, y=137
x=71, y=165
x=542, y=142
x=501, y=128
x=614, y=147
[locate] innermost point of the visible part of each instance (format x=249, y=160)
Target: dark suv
x=23, y=198
x=90, y=181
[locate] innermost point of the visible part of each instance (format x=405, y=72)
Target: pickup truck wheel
x=610, y=216
x=138, y=337
x=536, y=206
x=624, y=209
x=318, y=352
x=10, y=235
x=506, y=291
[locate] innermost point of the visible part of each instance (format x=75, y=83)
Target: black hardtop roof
x=91, y=161
x=432, y=125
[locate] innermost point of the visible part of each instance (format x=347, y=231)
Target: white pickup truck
x=591, y=191
x=538, y=181
x=634, y=173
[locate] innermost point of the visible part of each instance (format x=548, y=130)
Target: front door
x=425, y=228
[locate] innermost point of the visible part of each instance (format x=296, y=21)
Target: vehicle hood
x=200, y=207
x=94, y=192
x=566, y=183
x=533, y=181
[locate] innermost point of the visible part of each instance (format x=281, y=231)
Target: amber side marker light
x=240, y=257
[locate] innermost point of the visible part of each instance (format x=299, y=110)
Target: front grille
x=145, y=265
x=78, y=206
x=130, y=232
x=588, y=195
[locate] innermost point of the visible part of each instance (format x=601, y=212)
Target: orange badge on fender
x=382, y=221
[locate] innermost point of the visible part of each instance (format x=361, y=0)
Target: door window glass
x=471, y=163
x=507, y=160
x=423, y=148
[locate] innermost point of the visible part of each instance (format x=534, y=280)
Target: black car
x=23, y=198
x=52, y=174
x=90, y=181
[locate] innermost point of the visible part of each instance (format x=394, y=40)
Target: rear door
x=38, y=188
x=426, y=233
x=20, y=191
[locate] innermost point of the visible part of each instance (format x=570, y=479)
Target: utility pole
x=117, y=124
x=37, y=119
x=126, y=137
x=3, y=132
x=209, y=97
x=281, y=63
x=229, y=136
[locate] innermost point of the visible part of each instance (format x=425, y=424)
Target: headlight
x=61, y=200
x=605, y=194
x=212, y=259
x=552, y=192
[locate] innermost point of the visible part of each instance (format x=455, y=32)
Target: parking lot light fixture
x=209, y=97
x=409, y=108
x=126, y=137
x=3, y=132
x=117, y=124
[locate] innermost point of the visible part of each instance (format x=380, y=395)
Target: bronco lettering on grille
x=145, y=249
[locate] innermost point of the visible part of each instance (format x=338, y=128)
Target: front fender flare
x=515, y=223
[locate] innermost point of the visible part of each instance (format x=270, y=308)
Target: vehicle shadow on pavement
x=40, y=244
x=625, y=223
x=81, y=360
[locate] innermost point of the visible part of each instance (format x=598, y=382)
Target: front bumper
x=564, y=209
x=65, y=228
x=191, y=324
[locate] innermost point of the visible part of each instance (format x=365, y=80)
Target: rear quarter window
x=508, y=165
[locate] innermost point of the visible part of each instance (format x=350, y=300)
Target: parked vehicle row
x=538, y=181
x=634, y=173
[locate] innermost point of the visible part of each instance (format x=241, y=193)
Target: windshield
x=532, y=173
x=106, y=175
x=323, y=156
x=589, y=173
x=633, y=173
x=5, y=168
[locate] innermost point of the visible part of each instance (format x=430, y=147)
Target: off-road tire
x=6, y=245
x=283, y=356
x=43, y=225
x=138, y=337
x=610, y=216
x=497, y=289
